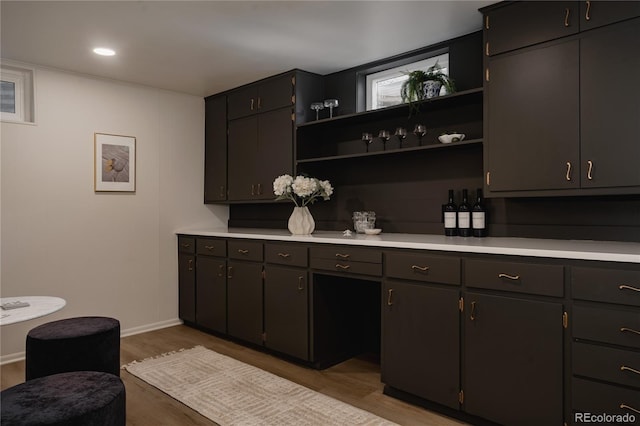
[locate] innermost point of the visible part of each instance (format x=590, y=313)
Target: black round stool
x=82, y=398
x=73, y=344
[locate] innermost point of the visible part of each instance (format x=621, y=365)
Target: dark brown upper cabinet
x=215, y=149
x=561, y=113
x=260, y=97
x=250, y=135
x=528, y=23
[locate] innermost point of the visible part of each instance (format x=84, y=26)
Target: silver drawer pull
x=627, y=407
x=284, y=255
x=300, y=281
x=342, y=256
x=389, y=296
x=511, y=277
x=625, y=368
x=209, y=247
x=243, y=251
x=628, y=287
x=344, y=267
x=630, y=330
x=420, y=268
x=185, y=245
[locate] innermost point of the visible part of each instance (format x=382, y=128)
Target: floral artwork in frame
x=114, y=163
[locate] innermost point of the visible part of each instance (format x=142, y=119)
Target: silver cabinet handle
x=590, y=171
x=284, y=255
x=243, y=251
x=343, y=267
x=628, y=287
x=342, y=256
x=630, y=408
x=389, y=302
x=625, y=368
x=420, y=268
x=630, y=330
x=300, y=280
x=568, y=176
x=510, y=277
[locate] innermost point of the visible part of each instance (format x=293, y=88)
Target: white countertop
x=561, y=249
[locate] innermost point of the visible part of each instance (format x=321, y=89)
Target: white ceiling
x=205, y=47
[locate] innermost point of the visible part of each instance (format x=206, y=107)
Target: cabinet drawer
x=608, y=364
x=245, y=250
x=346, y=254
x=286, y=254
x=593, y=397
x=186, y=244
x=211, y=247
x=547, y=280
x=615, y=326
x=420, y=267
x=365, y=268
x=606, y=285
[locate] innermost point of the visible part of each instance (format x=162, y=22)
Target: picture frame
x=114, y=163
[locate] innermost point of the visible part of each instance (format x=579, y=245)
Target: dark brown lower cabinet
x=286, y=312
x=187, y=287
x=513, y=352
x=244, y=301
x=421, y=341
x=211, y=293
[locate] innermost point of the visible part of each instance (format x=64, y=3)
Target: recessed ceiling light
x=104, y=51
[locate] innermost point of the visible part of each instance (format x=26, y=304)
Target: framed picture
x=114, y=163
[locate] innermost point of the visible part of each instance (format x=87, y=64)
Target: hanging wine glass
x=400, y=133
x=384, y=136
x=317, y=106
x=331, y=104
x=367, y=138
x=420, y=130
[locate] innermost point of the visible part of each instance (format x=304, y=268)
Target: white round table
x=39, y=306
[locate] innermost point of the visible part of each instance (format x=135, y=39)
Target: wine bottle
x=464, y=216
x=450, y=213
x=479, y=216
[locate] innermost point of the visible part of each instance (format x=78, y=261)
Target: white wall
x=111, y=254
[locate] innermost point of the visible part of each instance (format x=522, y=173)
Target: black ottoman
x=74, y=344
x=82, y=398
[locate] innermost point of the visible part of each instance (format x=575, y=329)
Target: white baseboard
x=19, y=356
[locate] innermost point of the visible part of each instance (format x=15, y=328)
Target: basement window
x=383, y=87
x=16, y=94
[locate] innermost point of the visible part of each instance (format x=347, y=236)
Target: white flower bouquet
x=301, y=190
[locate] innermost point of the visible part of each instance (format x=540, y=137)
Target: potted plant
x=426, y=84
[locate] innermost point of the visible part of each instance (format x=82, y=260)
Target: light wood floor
x=356, y=382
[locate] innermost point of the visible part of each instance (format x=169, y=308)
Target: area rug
x=230, y=392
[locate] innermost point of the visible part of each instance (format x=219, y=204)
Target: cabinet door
x=598, y=13
x=526, y=23
x=187, y=287
x=286, y=312
x=275, y=93
x=610, y=106
x=420, y=341
x=533, y=113
x=243, y=102
x=215, y=149
x=243, y=149
x=513, y=360
x=211, y=293
x=244, y=301
x=274, y=152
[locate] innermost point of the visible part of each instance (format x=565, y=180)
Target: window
x=16, y=94
x=383, y=87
